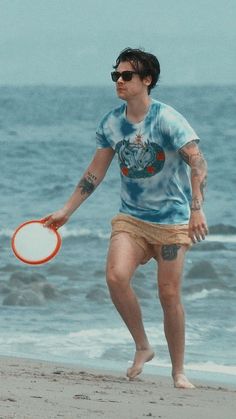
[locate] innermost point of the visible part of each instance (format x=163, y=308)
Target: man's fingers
x=47, y=221
x=205, y=229
x=198, y=233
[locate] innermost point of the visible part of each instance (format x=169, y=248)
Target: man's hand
x=197, y=226
x=56, y=220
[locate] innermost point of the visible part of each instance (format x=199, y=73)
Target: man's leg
x=124, y=256
x=170, y=267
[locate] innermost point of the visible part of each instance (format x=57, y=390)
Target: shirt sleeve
x=174, y=126
x=101, y=139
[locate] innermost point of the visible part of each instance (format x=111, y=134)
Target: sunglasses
x=125, y=75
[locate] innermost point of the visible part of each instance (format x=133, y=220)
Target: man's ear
x=147, y=80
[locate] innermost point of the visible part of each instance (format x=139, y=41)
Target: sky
x=76, y=42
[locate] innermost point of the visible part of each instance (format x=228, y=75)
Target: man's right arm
x=91, y=178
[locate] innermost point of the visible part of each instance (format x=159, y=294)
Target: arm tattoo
x=185, y=156
x=203, y=186
x=91, y=176
x=169, y=251
x=194, y=158
x=86, y=184
x=196, y=204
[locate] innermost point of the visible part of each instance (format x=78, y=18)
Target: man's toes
x=133, y=372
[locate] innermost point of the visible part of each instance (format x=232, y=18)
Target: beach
x=61, y=312
x=33, y=389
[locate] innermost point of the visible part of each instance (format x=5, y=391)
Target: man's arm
x=193, y=156
x=91, y=178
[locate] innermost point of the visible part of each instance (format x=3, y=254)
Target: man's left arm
x=193, y=156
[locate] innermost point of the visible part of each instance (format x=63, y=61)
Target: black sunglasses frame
x=125, y=75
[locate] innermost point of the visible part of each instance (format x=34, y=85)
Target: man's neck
x=137, y=109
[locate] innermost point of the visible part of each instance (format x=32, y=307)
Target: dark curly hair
x=145, y=63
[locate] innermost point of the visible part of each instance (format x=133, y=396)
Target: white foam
x=7, y=232
x=208, y=366
x=204, y=293
x=83, y=232
x=212, y=367
x=90, y=344
x=222, y=238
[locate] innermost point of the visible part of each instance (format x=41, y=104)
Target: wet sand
x=37, y=389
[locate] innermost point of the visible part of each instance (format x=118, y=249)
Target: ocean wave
x=6, y=233
x=212, y=367
x=224, y=229
x=208, y=366
x=204, y=293
x=87, y=343
x=221, y=238
x=215, y=242
x=99, y=234
x=98, y=345
x=68, y=233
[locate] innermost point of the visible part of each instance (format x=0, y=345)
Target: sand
x=36, y=389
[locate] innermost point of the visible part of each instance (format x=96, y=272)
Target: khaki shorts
x=147, y=234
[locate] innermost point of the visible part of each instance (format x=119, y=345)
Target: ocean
x=61, y=311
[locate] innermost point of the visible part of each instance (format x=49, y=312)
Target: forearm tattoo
x=170, y=251
x=196, y=204
x=87, y=184
x=194, y=158
x=203, y=186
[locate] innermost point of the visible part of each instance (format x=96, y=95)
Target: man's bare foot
x=181, y=381
x=141, y=356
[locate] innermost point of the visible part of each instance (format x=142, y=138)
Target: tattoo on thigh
x=169, y=251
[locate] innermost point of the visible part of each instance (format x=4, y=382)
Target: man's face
x=130, y=89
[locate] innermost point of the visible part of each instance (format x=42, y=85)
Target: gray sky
x=75, y=42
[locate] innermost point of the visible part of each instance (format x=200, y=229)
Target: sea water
x=61, y=311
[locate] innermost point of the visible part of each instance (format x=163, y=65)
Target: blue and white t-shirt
x=155, y=183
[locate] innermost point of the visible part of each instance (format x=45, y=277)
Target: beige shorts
x=147, y=234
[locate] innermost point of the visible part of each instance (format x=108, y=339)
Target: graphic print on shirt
x=140, y=159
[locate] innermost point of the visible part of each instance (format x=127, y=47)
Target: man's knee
x=116, y=278
x=169, y=295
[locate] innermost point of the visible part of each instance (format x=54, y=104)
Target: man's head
x=145, y=64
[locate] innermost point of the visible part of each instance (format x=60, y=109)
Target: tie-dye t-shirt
x=155, y=182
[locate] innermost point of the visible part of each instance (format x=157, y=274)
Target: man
x=161, y=202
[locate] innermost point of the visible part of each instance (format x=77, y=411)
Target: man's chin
x=121, y=94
